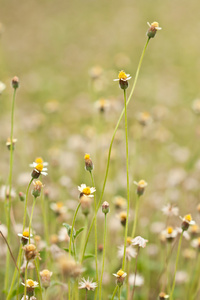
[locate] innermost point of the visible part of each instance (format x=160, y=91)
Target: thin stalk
x=86, y=294
x=119, y=292
x=136, y=216
x=84, y=236
x=104, y=252
x=26, y=269
x=113, y=136
x=194, y=290
x=8, y=205
x=45, y=217
x=115, y=291
x=30, y=222
x=127, y=282
x=177, y=258
x=127, y=178
x=38, y=276
x=95, y=229
x=25, y=205
x=133, y=290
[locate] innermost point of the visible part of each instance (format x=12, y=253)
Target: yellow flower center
x=129, y=239
x=122, y=75
x=45, y=272
x=25, y=233
x=146, y=115
x=30, y=283
x=120, y=273
x=39, y=160
x=188, y=218
x=31, y=247
x=87, y=156
x=170, y=230
x=155, y=24
x=59, y=204
x=86, y=191
x=39, y=167
x=194, y=228
x=123, y=215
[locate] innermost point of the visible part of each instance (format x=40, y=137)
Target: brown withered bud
x=15, y=82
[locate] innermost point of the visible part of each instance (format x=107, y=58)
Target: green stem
x=45, y=217
x=26, y=269
x=194, y=284
x=177, y=258
x=115, y=291
x=104, y=252
x=8, y=208
x=112, y=139
x=38, y=276
x=136, y=216
x=119, y=292
x=25, y=205
x=127, y=179
x=95, y=229
x=30, y=222
x=133, y=290
x=84, y=236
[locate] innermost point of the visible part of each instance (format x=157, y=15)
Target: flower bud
x=88, y=163
x=140, y=187
x=105, y=207
x=37, y=188
x=45, y=278
x=153, y=27
x=30, y=252
x=21, y=196
x=15, y=82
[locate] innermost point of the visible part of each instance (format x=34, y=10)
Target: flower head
x=86, y=190
x=87, y=284
x=153, y=27
x=170, y=210
x=30, y=286
x=138, y=240
x=58, y=208
x=187, y=221
x=130, y=252
x=88, y=163
x=123, y=80
x=45, y=277
x=24, y=237
x=8, y=143
x=30, y=252
x=120, y=277
x=196, y=243
x=37, y=188
x=141, y=185
x=2, y=87
x=163, y=296
x=170, y=233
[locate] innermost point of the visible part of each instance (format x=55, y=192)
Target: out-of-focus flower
x=45, y=277
x=2, y=87
x=95, y=72
x=15, y=82
x=8, y=143
x=88, y=163
x=196, y=106
x=170, y=210
x=102, y=105
x=120, y=277
x=138, y=240
x=123, y=80
x=68, y=266
x=181, y=277
x=4, y=192
x=63, y=235
x=86, y=190
x=194, y=230
x=163, y=296
x=31, y=266
x=187, y=221
x=86, y=203
x=141, y=185
x=37, y=161
x=196, y=243
x=144, y=118
x=123, y=217
x=58, y=208
x=24, y=237
x=153, y=28
x=170, y=233
x=120, y=202
x=185, y=233
x=138, y=280
x=87, y=284
x=130, y=252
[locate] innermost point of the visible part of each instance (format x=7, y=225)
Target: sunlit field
x=100, y=155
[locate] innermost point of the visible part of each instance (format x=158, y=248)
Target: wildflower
x=2, y=87
x=120, y=277
x=87, y=284
x=95, y=72
x=102, y=105
x=120, y=202
x=8, y=143
x=196, y=243
x=30, y=286
x=123, y=217
x=181, y=277
x=123, y=80
x=140, y=186
x=169, y=233
x=30, y=252
x=58, y=208
x=144, y=118
x=86, y=190
x=130, y=252
x=187, y=221
x=24, y=237
x=185, y=233
x=39, y=169
x=37, y=161
x=138, y=240
x=153, y=27
x=15, y=82
x=68, y=266
x=170, y=210
x=105, y=207
x=88, y=163
x=46, y=278
x=194, y=230
x=4, y=192
x=138, y=280
x=85, y=202
x=37, y=188
x=189, y=253
x=163, y=296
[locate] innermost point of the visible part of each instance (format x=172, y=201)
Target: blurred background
x=66, y=55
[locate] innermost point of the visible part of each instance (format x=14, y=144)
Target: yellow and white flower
x=86, y=190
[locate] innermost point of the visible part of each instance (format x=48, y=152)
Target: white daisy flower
x=86, y=190
x=87, y=284
x=138, y=240
x=170, y=210
x=130, y=252
x=37, y=161
x=2, y=87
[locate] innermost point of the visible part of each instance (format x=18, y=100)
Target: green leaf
x=79, y=231
x=68, y=227
x=88, y=256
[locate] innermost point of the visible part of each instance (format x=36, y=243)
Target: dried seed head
x=30, y=252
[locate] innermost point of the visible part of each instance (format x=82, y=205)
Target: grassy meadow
x=65, y=55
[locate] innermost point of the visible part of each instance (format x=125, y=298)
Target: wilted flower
x=138, y=240
x=170, y=210
x=130, y=252
x=140, y=186
x=46, y=278
x=123, y=80
x=87, y=284
x=30, y=252
x=153, y=27
x=86, y=190
x=120, y=277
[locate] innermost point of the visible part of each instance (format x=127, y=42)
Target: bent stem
x=8, y=204
x=127, y=178
x=177, y=258
x=103, y=262
x=113, y=136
